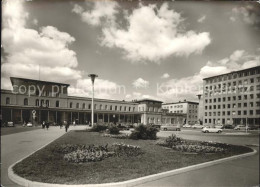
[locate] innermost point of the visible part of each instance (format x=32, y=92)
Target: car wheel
x=206, y=131
x=165, y=129
x=219, y=132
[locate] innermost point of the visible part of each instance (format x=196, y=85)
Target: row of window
x=233, y=75
x=234, y=105
x=233, y=98
x=228, y=113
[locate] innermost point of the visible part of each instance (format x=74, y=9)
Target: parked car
x=171, y=127
x=210, y=129
x=10, y=124
x=228, y=126
x=156, y=126
x=253, y=127
x=29, y=124
x=241, y=127
x=186, y=126
x=220, y=126
x=197, y=126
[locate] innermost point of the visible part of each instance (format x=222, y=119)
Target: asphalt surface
x=240, y=172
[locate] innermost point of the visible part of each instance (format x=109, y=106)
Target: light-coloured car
x=170, y=127
x=29, y=124
x=220, y=126
x=241, y=127
x=186, y=126
x=197, y=126
x=210, y=129
x=10, y=124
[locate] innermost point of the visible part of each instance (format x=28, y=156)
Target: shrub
x=144, y=132
x=99, y=128
x=121, y=149
x=173, y=140
x=113, y=130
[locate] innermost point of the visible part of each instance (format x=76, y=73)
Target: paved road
x=16, y=146
x=240, y=172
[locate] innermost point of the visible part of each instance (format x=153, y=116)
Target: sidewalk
x=16, y=146
x=240, y=172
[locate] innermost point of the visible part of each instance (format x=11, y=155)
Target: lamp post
x=92, y=76
x=199, y=97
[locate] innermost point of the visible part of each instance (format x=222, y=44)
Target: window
x=251, y=112
x=7, y=101
x=228, y=106
x=251, y=88
x=252, y=80
x=228, y=113
x=42, y=102
x=229, y=98
x=57, y=103
x=125, y=108
x=245, y=96
x=251, y=104
x=105, y=107
x=234, y=98
x=89, y=106
x=223, y=113
x=224, y=99
x=37, y=102
x=115, y=107
x=77, y=105
x=100, y=107
x=239, y=97
x=206, y=107
x=245, y=112
x=111, y=108
x=245, y=104
x=95, y=106
x=84, y=106
x=25, y=101
x=251, y=96
x=258, y=87
x=239, y=105
x=129, y=109
x=206, y=113
x=47, y=103
x=224, y=106
x=239, y=112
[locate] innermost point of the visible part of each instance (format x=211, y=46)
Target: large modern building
x=49, y=101
x=188, y=108
x=233, y=98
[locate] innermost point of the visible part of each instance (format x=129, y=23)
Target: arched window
x=120, y=108
x=37, y=102
x=25, y=101
x=95, y=106
x=84, y=106
x=70, y=104
x=100, y=107
x=125, y=108
x=7, y=101
x=89, y=106
x=115, y=107
x=77, y=106
x=47, y=103
x=57, y=103
x=129, y=109
x=111, y=107
x=42, y=102
x=106, y=107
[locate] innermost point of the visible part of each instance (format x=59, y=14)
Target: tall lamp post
x=92, y=76
x=199, y=97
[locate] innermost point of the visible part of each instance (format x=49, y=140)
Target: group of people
x=45, y=124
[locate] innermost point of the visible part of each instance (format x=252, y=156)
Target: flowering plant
x=121, y=149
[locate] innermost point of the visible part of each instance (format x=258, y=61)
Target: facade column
x=103, y=117
x=108, y=118
x=11, y=114
x=71, y=117
x=56, y=116
x=22, y=116
x=48, y=116
x=78, y=117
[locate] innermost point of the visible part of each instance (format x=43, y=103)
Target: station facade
x=49, y=101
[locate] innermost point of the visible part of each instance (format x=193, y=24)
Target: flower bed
x=118, y=136
x=121, y=149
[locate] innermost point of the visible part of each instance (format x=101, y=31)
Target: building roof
x=141, y=100
x=232, y=72
x=33, y=80
x=191, y=102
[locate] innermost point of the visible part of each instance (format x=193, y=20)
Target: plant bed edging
x=132, y=182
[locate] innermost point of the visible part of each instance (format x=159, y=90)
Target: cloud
x=165, y=76
x=140, y=83
x=28, y=50
x=189, y=87
x=103, y=88
x=202, y=19
x=100, y=10
x=154, y=34
x=249, y=14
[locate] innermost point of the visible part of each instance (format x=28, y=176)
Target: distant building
x=50, y=102
x=188, y=108
x=233, y=98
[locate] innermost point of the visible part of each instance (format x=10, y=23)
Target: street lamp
x=92, y=76
x=199, y=97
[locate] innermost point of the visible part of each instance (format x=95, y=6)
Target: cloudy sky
x=141, y=49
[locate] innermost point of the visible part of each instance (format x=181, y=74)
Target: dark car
x=228, y=127
x=253, y=127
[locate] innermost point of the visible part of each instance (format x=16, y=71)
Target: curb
x=133, y=182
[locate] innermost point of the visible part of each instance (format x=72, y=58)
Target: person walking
x=47, y=125
x=66, y=126
x=43, y=124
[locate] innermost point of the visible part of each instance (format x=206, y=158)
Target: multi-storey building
x=49, y=101
x=233, y=98
x=190, y=109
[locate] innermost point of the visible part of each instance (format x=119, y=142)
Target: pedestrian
x=66, y=126
x=61, y=124
x=47, y=125
x=74, y=123
x=43, y=124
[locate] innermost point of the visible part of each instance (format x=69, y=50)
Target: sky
x=139, y=49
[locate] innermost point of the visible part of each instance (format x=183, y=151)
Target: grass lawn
x=50, y=167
